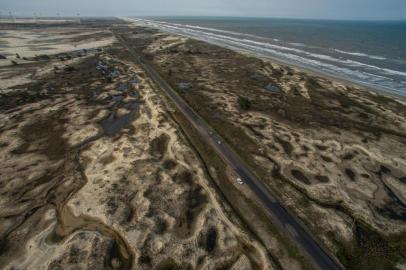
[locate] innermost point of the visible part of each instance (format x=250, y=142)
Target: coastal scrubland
x=333, y=152
x=99, y=171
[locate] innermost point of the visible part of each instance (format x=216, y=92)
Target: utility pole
x=35, y=17
x=78, y=17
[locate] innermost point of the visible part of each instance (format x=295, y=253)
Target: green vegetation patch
x=244, y=103
x=168, y=264
x=371, y=250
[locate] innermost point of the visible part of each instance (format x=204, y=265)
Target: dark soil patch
x=350, y=173
x=107, y=159
x=113, y=124
x=169, y=164
x=194, y=204
x=20, y=149
x=300, y=176
x=348, y=156
x=326, y=159
x=159, y=145
x=15, y=99
x=321, y=147
x=145, y=259
x=287, y=146
x=322, y=178
x=208, y=240
x=211, y=239
x=384, y=170
x=184, y=177
x=161, y=225
x=46, y=135
x=168, y=264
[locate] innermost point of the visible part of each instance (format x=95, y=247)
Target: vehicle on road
x=239, y=181
x=218, y=142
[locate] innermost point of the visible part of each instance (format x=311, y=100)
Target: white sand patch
x=32, y=43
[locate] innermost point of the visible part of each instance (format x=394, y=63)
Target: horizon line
x=6, y=16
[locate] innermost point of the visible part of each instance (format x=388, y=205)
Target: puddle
x=113, y=124
x=299, y=175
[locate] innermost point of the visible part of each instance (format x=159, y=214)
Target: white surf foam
x=349, y=68
x=361, y=54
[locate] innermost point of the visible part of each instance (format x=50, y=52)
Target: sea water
x=369, y=52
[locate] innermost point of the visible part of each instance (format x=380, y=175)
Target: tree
x=245, y=103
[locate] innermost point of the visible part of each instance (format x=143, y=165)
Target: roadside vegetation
x=244, y=209
x=244, y=103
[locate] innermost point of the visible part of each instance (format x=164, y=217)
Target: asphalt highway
x=279, y=215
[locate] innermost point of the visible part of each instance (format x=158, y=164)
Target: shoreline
x=390, y=93
x=333, y=77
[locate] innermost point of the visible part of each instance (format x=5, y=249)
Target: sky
x=315, y=9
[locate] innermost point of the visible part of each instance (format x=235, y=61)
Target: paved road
x=278, y=213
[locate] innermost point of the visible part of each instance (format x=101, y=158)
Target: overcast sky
x=329, y=9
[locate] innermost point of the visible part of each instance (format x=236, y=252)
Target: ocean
x=367, y=52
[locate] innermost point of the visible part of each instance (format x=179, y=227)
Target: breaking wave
x=296, y=53
x=361, y=54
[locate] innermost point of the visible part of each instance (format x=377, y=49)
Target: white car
x=239, y=181
x=211, y=132
x=219, y=142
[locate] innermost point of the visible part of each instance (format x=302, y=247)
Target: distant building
x=135, y=80
x=258, y=77
x=184, y=86
x=272, y=88
x=101, y=66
